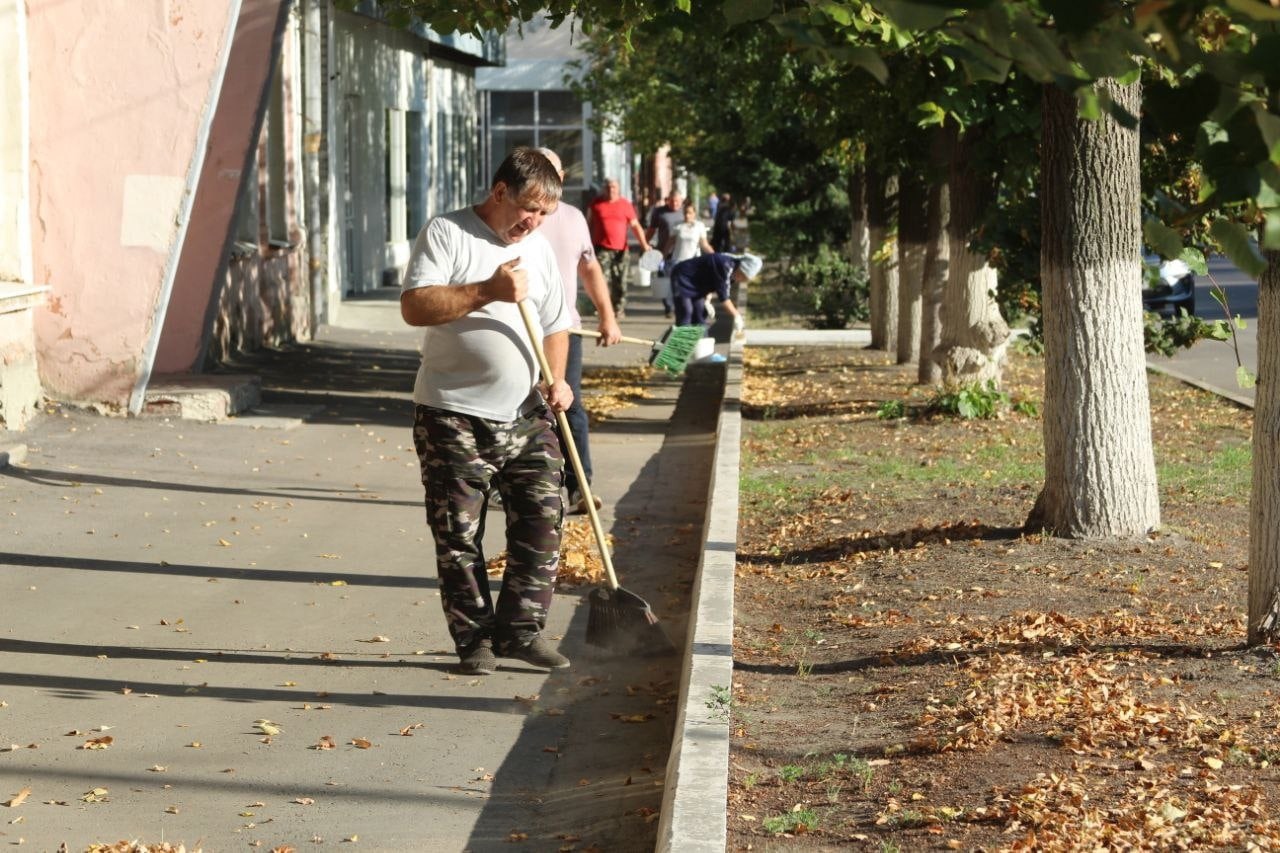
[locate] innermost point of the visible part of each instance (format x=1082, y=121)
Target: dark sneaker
x=478, y=658
x=578, y=503
x=538, y=652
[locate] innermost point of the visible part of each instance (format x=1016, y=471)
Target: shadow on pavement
x=606, y=727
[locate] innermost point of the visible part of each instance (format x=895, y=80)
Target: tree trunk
x=1100, y=477
x=1264, y=505
x=882, y=199
x=913, y=239
x=859, y=234
x=974, y=335
x=937, y=261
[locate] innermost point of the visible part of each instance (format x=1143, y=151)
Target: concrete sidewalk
x=227, y=601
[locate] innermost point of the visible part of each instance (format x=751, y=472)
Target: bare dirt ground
x=914, y=671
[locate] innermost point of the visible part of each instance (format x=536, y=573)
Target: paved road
x=171, y=584
x=1212, y=364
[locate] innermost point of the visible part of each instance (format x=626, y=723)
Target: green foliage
x=891, y=410
x=720, y=701
x=791, y=773
x=836, y=290
x=982, y=402
x=1166, y=336
x=803, y=820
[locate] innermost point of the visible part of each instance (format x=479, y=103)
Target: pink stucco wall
x=117, y=101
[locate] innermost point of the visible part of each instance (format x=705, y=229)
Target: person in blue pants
x=692, y=281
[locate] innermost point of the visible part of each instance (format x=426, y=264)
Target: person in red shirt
x=610, y=216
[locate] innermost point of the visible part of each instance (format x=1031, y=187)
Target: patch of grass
x=804, y=820
x=908, y=818
x=772, y=486
x=990, y=466
x=791, y=773
x=1226, y=474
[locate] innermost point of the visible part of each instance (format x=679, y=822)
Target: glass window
x=511, y=107
x=568, y=145
x=416, y=163
x=277, y=222
x=502, y=142
x=559, y=108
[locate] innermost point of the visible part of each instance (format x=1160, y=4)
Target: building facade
x=183, y=182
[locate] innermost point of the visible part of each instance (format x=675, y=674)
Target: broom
x=672, y=352
x=617, y=619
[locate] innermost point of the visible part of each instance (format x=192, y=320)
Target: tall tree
x=937, y=260
x=974, y=334
x=1100, y=475
x=913, y=243
x=882, y=203
x=1264, y=532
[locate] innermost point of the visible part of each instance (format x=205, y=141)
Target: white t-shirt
x=482, y=364
x=688, y=236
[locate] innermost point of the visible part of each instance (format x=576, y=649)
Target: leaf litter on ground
x=996, y=688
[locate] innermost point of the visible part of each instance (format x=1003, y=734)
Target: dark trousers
x=577, y=417
x=461, y=457
x=690, y=310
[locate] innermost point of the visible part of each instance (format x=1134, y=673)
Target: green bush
x=1168, y=335
x=834, y=291
x=972, y=401
x=1160, y=335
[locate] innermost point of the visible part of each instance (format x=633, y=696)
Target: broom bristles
x=623, y=621
x=677, y=347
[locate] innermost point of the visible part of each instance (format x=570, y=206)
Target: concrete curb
x=12, y=454
x=697, y=782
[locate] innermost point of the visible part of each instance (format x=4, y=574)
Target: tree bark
x=913, y=239
x=859, y=234
x=937, y=262
x=882, y=199
x=974, y=335
x=1264, y=505
x=1100, y=478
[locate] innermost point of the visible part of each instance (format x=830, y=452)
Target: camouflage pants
x=461, y=457
x=613, y=262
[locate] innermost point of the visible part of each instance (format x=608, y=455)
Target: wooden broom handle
x=535, y=338
x=583, y=333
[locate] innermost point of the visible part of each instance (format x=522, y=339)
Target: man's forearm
x=438, y=304
x=639, y=232
x=556, y=348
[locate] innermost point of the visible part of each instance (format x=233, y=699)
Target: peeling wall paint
x=117, y=100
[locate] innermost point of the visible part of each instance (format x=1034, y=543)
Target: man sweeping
x=692, y=281
x=481, y=420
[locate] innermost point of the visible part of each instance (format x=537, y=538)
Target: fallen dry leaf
x=267, y=727
x=103, y=742
x=360, y=743
x=18, y=798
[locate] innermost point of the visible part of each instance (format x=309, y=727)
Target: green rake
x=672, y=352
x=617, y=619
